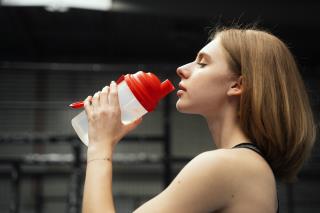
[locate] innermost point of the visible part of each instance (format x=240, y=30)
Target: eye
x=201, y=65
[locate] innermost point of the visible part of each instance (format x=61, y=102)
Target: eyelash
x=201, y=65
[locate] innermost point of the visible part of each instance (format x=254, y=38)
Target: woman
x=246, y=84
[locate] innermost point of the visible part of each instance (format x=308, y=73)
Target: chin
x=183, y=108
x=180, y=106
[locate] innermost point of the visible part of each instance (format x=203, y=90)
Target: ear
x=236, y=87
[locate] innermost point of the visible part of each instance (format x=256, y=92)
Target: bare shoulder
x=239, y=159
x=211, y=181
x=253, y=185
x=201, y=186
x=242, y=165
x=247, y=178
x=232, y=162
x=219, y=163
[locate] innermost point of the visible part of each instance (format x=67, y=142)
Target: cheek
x=210, y=92
x=209, y=86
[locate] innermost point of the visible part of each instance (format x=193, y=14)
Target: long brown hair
x=275, y=111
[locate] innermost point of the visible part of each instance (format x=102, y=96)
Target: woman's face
x=205, y=82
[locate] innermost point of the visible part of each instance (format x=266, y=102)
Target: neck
x=225, y=129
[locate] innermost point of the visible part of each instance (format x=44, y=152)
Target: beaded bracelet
x=95, y=159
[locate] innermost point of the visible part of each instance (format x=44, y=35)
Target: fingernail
x=113, y=83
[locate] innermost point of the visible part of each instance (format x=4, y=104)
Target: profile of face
x=207, y=84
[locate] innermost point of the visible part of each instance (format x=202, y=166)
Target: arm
x=203, y=185
x=105, y=131
x=97, y=196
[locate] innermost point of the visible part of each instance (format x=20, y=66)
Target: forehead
x=213, y=48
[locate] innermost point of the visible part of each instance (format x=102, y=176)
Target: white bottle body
x=130, y=107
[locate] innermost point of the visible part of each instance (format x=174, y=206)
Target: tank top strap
x=251, y=146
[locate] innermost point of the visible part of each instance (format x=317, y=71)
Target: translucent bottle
x=138, y=94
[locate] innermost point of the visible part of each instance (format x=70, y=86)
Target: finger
x=87, y=105
x=96, y=99
x=104, y=95
x=113, y=95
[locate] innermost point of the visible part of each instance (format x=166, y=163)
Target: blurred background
x=53, y=53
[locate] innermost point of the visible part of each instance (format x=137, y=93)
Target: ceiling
x=145, y=31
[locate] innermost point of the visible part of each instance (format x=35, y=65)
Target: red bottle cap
x=147, y=88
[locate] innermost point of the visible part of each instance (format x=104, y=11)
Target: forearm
x=97, y=196
x=105, y=130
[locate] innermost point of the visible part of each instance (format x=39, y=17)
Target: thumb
x=131, y=126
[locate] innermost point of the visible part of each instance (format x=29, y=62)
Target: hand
x=104, y=119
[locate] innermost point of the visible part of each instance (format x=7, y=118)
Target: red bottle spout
x=77, y=105
x=166, y=87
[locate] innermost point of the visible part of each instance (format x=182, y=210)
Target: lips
x=181, y=90
x=181, y=87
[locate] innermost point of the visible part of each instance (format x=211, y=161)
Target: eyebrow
x=204, y=55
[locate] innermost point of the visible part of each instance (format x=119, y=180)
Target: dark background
x=49, y=59
x=150, y=31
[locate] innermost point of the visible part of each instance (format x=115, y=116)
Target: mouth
x=181, y=90
x=181, y=87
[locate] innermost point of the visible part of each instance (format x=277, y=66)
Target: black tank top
x=254, y=148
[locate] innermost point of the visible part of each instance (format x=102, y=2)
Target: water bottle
x=138, y=94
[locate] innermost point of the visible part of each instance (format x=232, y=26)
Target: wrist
x=99, y=150
x=105, y=159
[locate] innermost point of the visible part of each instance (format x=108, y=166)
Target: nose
x=183, y=71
